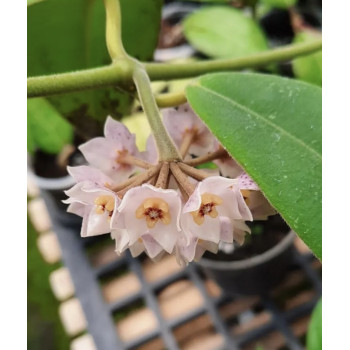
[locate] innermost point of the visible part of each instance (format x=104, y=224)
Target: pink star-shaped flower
x=91, y=199
x=215, y=210
x=147, y=211
x=184, y=121
x=106, y=153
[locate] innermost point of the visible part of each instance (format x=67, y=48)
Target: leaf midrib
x=249, y=111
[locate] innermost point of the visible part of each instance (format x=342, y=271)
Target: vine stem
x=171, y=99
x=166, y=147
x=121, y=73
x=113, y=30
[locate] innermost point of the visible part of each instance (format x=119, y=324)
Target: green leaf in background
x=281, y=4
x=272, y=127
x=46, y=129
x=66, y=35
x=140, y=27
x=314, y=334
x=308, y=68
x=224, y=32
x=32, y=2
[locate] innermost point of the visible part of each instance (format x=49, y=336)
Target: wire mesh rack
x=136, y=304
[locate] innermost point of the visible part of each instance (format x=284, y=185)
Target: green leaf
x=308, y=68
x=282, y=4
x=224, y=32
x=314, y=334
x=272, y=127
x=140, y=27
x=46, y=128
x=66, y=35
x=32, y=2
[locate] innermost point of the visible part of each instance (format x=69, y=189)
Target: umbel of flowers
x=160, y=207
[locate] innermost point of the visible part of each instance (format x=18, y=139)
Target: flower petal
x=137, y=248
x=76, y=208
x=87, y=173
x=226, y=230
x=102, y=154
x=183, y=120
x=97, y=224
x=246, y=182
x=120, y=135
x=151, y=246
x=121, y=238
x=151, y=153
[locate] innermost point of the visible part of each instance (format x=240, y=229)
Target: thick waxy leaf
x=314, y=334
x=308, y=68
x=272, y=127
x=66, y=35
x=46, y=128
x=224, y=32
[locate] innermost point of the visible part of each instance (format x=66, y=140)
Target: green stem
x=120, y=72
x=46, y=85
x=113, y=30
x=165, y=71
x=171, y=99
x=166, y=148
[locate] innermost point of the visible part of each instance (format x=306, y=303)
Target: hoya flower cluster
x=156, y=206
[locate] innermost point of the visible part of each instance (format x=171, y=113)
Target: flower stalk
x=165, y=145
x=193, y=172
x=163, y=176
x=140, y=179
x=182, y=179
x=132, y=160
x=186, y=142
x=220, y=153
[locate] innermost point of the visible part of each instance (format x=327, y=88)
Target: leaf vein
x=257, y=116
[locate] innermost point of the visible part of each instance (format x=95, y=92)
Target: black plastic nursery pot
x=256, y=275
x=172, y=14
x=52, y=189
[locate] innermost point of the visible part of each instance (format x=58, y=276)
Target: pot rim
x=253, y=261
x=57, y=183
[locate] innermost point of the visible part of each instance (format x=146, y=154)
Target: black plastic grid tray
x=99, y=314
